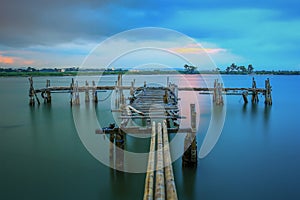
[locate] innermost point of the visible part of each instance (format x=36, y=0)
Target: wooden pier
x=217, y=91
x=156, y=108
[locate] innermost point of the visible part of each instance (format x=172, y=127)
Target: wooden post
x=112, y=150
x=132, y=88
x=254, y=92
x=189, y=158
x=72, y=92
x=87, y=95
x=48, y=93
x=76, y=100
x=169, y=176
x=160, y=181
x=268, y=93
x=149, y=182
x=245, y=94
x=215, y=90
x=32, y=93
x=120, y=143
x=95, y=95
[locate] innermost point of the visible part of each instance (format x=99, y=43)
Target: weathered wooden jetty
x=157, y=110
x=217, y=91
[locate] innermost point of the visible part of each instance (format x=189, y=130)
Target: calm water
x=257, y=155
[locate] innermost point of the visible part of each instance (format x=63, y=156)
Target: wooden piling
x=87, y=95
x=72, y=85
x=112, y=150
x=94, y=91
x=32, y=93
x=268, y=93
x=244, y=95
x=47, y=99
x=254, y=92
x=120, y=145
x=189, y=158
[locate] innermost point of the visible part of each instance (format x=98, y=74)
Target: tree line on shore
x=188, y=69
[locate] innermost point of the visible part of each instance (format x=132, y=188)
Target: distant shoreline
x=94, y=73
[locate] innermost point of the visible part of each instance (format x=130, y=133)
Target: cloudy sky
x=61, y=33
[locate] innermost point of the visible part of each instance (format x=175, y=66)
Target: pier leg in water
x=120, y=144
x=254, y=92
x=95, y=95
x=48, y=93
x=245, y=94
x=72, y=92
x=32, y=93
x=112, y=150
x=189, y=158
x=87, y=95
x=268, y=93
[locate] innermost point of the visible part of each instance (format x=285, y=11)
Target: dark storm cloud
x=44, y=22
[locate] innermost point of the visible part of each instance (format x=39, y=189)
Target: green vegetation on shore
x=233, y=69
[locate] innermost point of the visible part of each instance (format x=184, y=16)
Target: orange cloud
x=6, y=60
x=14, y=60
x=194, y=50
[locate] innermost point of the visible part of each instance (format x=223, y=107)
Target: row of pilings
x=219, y=91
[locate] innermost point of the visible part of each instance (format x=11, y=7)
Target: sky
x=63, y=33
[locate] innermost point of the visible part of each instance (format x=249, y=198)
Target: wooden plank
x=149, y=182
x=169, y=175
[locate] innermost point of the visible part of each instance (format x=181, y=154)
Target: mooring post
x=120, y=143
x=72, y=92
x=87, y=95
x=268, y=92
x=48, y=93
x=254, y=92
x=245, y=94
x=219, y=94
x=95, y=95
x=32, y=93
x=189, y=158
x=112, y=150
x=132, y=88
x=76, y=99
x=215, y=90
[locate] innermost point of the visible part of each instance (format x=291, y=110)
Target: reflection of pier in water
x=156, y=108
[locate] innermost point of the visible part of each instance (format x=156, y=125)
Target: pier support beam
x=189, y=158
x=95, y=95
x=120, y=145
x=76, y=99
x=87, y=95
x=217, y=95
x=245, y=95
x=254, y=92
x=32, y=93
x=268, y=93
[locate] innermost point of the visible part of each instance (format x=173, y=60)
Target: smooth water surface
x=257, y=155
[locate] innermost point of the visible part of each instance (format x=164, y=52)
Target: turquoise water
x=256, y=157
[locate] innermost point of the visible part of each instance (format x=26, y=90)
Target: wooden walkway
x=157, y=109
x=217, y=91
